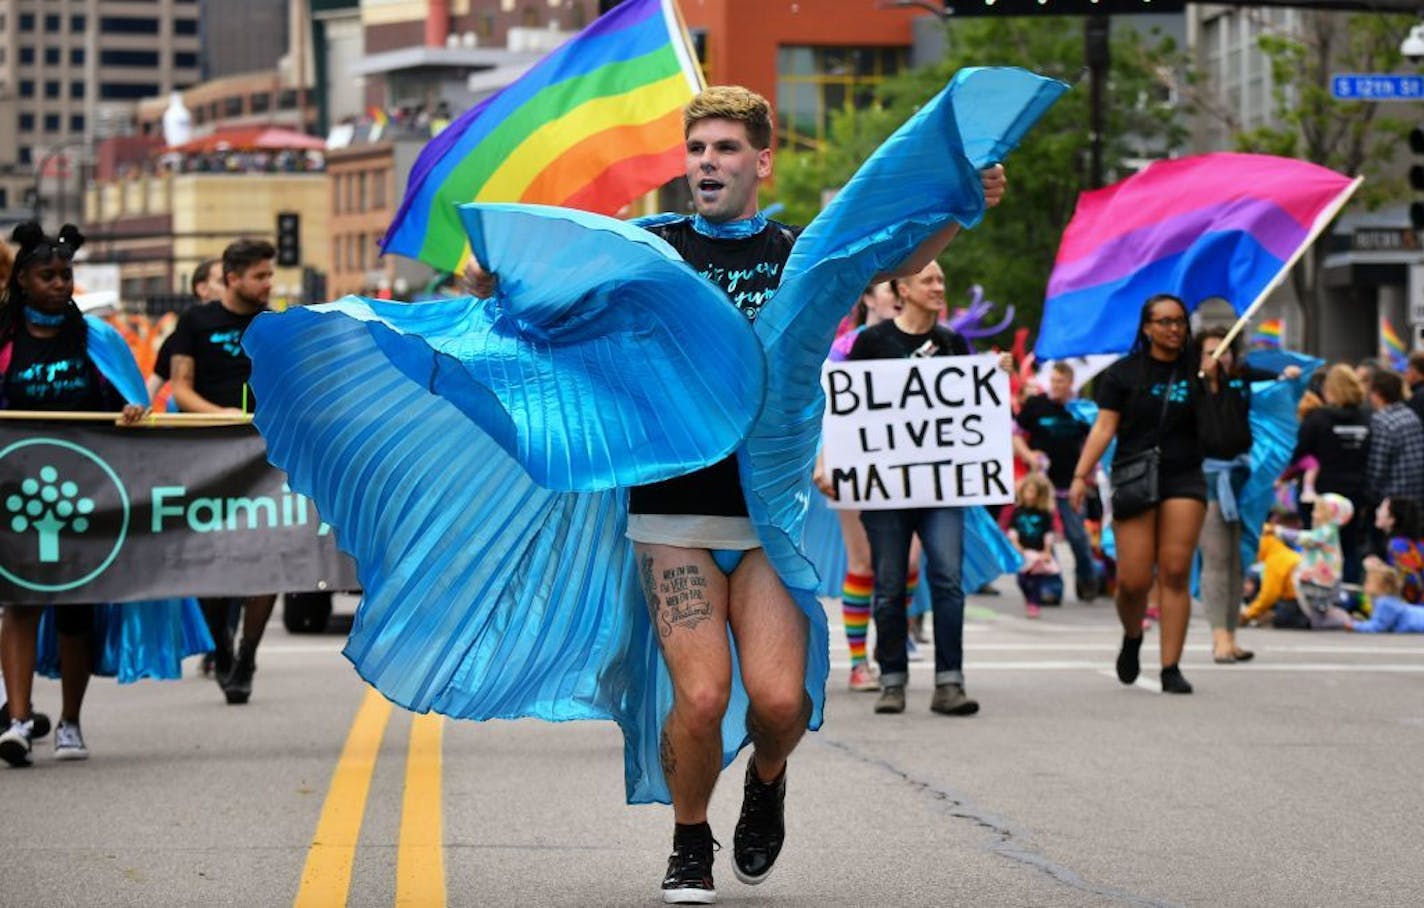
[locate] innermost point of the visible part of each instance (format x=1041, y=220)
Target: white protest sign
x=918, y=433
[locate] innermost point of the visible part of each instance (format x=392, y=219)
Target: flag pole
x=1321, y=222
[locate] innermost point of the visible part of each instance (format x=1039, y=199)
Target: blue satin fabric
x=110, y=353
x=472, y=455
x=134, y=640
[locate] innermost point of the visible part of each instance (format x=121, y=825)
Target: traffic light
x=289, y=239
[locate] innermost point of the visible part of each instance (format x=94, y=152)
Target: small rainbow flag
x=1392, y=348
x=594, y=125
x=378, y=116
x=1270, y=334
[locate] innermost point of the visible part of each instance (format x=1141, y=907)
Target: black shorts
x=1180, y=483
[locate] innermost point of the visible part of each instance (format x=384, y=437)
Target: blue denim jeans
x=941, y=531
x=1077, y=539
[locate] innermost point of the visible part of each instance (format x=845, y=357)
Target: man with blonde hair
x=701, y=564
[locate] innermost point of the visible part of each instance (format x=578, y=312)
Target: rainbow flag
x=1270, y=334
x=594, y=125
x=1216, y=225
x=1392, y=348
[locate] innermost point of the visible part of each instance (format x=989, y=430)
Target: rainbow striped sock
x=855, y=613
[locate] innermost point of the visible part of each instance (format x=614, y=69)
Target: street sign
x=1376, y=87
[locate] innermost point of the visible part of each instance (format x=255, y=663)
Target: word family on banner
x=94, y=513
x=918, y=433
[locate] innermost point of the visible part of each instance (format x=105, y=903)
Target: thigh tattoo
x=677, y=595
x=669, y=756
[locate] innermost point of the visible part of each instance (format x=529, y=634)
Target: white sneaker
x=69, y=742
x=15, y=743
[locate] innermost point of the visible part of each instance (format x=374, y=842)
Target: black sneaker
x=689, y=873
x=39, y=722
x=761, y=829
x=1173, y=682
x=15, y=743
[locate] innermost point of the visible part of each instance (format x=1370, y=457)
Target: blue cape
x=474, y=455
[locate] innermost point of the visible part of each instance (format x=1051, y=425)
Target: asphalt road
x=1295, y=780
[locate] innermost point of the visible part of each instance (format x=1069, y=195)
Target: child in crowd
x=1277, y=562
x=1322, y=563
x=1399, y=520
x=1307, y=470
x=1031, y=531
x=1388, y=613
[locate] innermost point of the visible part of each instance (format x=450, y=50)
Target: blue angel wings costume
x=474, y=455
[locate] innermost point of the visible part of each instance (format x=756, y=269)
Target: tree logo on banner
x=65, y=511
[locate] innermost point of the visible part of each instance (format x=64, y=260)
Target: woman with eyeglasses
x=1146, y=401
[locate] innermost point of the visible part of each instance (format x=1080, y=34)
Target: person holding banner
x=46, y=364
x=209, y=375
x=877, y=303
x=917, y=332
x=1147, y=401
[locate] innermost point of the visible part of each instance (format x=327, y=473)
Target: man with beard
x=209, y=375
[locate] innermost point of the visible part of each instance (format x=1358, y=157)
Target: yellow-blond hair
x=1037, y=481
x=731, y=102
x=7, y=261
x=1387, y=577
x=1343, y=387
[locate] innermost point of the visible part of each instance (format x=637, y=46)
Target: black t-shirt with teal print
x=212, y=335
x=55, y=373
x=1032, y=526
x=1052, y=428
x=748, y=269
x=1133, y=387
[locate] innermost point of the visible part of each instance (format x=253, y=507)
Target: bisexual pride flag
x=594, y=125
x=1217, y=225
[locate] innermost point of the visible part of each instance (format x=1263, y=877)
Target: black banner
x=94, y=513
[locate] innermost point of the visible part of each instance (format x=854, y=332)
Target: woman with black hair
x=1146, y=400
x=1400, y=522
x=1223, y=571
x=45, y=364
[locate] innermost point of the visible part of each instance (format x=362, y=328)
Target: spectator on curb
x=1337, y=435
x=1414, y=380
x=1395, y=468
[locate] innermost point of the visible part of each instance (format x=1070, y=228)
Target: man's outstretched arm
x=994, y=182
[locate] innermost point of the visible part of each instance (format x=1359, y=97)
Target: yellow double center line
x=420, y=860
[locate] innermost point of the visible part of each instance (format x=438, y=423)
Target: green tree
x=1011, y=253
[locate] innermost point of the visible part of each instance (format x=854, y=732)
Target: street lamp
x=53, y=152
